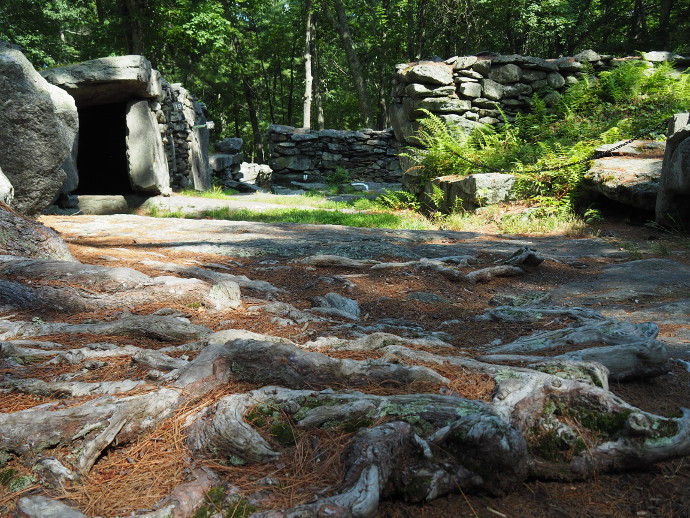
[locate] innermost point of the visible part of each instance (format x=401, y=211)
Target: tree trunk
x=663, y=40
x=133, y=11
x=308, y=78
x=341, y=24
x=318, y=97
x=253, y=117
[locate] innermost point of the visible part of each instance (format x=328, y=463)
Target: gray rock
x=417, y=90
x=69, y=166
x=631, y=181
x=516, y=90
x=532, y=75
x=630, y=281
x=221, y=162
x=41, y=507
x=107, y=80
x=148, y=165
x=505, y=74
x=483, y=66
x=430, y=73
x=658, y=56
x=492, y=90
x=469, y=74
x=555, y=80
x=229, y=146
x=569, y=65
x=6, y=189
x=296, y=163
x=476, y=190
x=459, y=122
x=465, y=62
x=337, y=305
x=587, y=56
x=538, y=84
x=428, y=298
x=673, y=202
x=255, y=174
x=529, y=62
x=441, y=105
x=38, y=125
x=472, y=90
x=198, y=150
x=102, y=205
x=636, y=148
x=27, y=238
x=551, y=98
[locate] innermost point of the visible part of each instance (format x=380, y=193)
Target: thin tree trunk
x=340, y=23
x=421, y=29
x=318, y=98
x=133, y=11
x=100, y=12
x=308, y=78
x=291, y=88
x=664, y=23
x=253, y=117
x=638, y=29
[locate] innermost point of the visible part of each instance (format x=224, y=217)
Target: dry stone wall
x=485, y=88
x=182, y=123
x=301, y=156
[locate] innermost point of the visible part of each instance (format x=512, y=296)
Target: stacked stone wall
x=310, y=156
x=181, y=120
x=486, y=88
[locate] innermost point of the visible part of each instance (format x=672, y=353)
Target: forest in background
x=246, y=58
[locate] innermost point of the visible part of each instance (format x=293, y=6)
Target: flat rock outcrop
x=38, y=128
x=630, y=175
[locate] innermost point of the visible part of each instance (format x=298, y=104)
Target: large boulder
x=673, y=201
x=430, y=73
x=21, y=236
x=148, y=166
x=107, y=80
x=473, y=191
x=38, y=128
x=630, y=175
x=6, y=189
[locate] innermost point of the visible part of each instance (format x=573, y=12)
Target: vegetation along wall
x=490, y=88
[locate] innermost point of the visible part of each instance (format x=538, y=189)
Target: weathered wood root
x=159, y=327
x=88, y=287
x=433, y=445
x=94, y=425
x=288, y=365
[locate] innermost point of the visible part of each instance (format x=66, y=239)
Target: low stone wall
x=309, y=156
x=486, y=87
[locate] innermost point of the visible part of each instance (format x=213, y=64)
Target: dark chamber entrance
x=102, y=158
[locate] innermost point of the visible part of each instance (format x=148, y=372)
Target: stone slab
x=631, y=181
x=107, y=80
x=630, y=281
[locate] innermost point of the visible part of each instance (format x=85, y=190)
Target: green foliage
x=398, y=200
x=549, y=150
x=216, y=192
x=339, y=179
